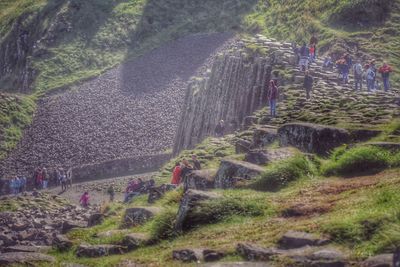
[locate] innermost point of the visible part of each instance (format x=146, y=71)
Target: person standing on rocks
x=372, y=66
x=176, y=174
x=358, y=75
x=196, y=162
x=220, y=129
x=313, y=43
x=69, y=178
x=45, y=178
x=23, y=183
x=111, y=192
x=186, y=169
x=370, y=78
x=272, y=97
x=385, y=71
x=84, y=200
x=304, y=56
x=308, y=84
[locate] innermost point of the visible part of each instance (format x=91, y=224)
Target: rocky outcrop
x=312, y=138
x=200, y=180
x=264, y=135
x=24, y=258
x=293, y=239
x=232, y=171
x=98, y=250
x=188, y=202
x=138, y=216
x=135, y=240
x=197, y=255
x=382, y=260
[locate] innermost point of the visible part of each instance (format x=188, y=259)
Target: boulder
x=134, y=240
x=197, y=255
x=37, y=249
x=7, y=239
x=382, y=260
x=242, y=146
x=69, y=225
x=188, y=201
x=327, y=258
x=98, y=250
x=62, y=243
x=263, y=136
x=249, y=121
x=200, y=180
x=312, y=138
x=95, y=219
x=28, y=258
x=258, y=157
x=138, y=216
x=231, y=171
x=253, y=252
x=293, y=239
x=361, y=135
x=212, y=255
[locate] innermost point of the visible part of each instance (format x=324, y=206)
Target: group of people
x=135, y=187
x=42, y=179
x=17, y=185
x=183, y=168
x=306, y=54
x=367, y=72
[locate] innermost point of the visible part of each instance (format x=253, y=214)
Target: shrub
x=358, y=160
x=281, y=173
x=162, y=226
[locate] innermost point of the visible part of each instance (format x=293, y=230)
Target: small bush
x=281, y=173
x=162, y=227
x=358, y=160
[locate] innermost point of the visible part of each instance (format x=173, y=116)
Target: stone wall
x=234, y=88
x=119, y=167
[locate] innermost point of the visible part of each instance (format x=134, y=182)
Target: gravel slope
x=131, y=110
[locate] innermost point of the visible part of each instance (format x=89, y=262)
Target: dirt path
x=98, y=189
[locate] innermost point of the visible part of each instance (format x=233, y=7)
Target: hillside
x=75, y=40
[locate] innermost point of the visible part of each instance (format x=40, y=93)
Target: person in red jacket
x=385, y=70
x=84, y=200
x=272, y=97
x=176, y=174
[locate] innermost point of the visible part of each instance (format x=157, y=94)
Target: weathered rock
x=200, y=180
x=212, y=255
x=263, y=136
x=95, y=219
x=69, y=225
x=258, y=157
x=110, y=233
x=230, y=171
x=242, y=146
x=360, y=135
x=138, y=216
x=327, y=258
x=197, y=255
x=7, y=259
x=62, y=243
x=188, y=201
x=7, y=239
x=155, y=193
x=37, y=249
x=293, y=239
x=237, y=264
x=382, y=260
x=312, y=138
x=134, y=240
x=253, y=252
x=98, y=250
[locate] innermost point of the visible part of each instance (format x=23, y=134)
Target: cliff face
x=234, y=88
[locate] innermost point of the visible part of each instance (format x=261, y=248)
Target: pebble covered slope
x=129, y=111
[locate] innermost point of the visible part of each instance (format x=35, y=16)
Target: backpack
x=358, y=69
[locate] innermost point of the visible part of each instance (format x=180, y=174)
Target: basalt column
x=234, y=88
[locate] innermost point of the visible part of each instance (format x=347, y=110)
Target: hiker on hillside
x=45, y=178
x=385, y=71
x=272, y=97
x=84, y=200
x=314, y=42
x=69, y=178
x=312, y=52
x=63, y=179
x=196, y=162
x=176, y=174
x=111, y=192
x=358, y=75
x=308, y=84
x=220, y=128
x=186, y=171
x=23, y=183
x=304, y=57
x=328, y=63
x=133, y=189
x=372, y=66
x=347, y=67
x=12, y=186
x=343, y=69
x=296, y=52
x=370, y=76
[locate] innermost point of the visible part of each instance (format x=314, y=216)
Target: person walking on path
x=111, y=192
x=385, y=71
x=196, y=162
x=358, y=75
x=220, y=128
x=304, y=57
x=84, y=200
x=176, y=174
x=45, y=178
x=272, y=97
x=308, y=84
x=370, y=78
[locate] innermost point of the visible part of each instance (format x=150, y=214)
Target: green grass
x=280, y=174
x=358, y=160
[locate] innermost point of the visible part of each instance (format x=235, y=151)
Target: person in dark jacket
x=272, y=97
x=196, y=163
x=308, y=84
x=220, y=128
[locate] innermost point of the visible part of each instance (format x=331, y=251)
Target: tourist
x=342, y=69
x=314, y=42
x=12, y=186
x=346, y=68
x=372, y=66
x=63, y=179
x=272, y=97
x=69, y=178
x=358, y=75
x=304, y=57
x=45, y=178
x=133, y=189
x=111, y=192
x=176, y=174
x=296, y=52
x=370, y=78
x=308, y=84
x=220, y=128
x=56, y=177
x=312, y=52
x=328, y=63
x=186, y=169
x=196, y=162
x=385, y=71
x=84, y=200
